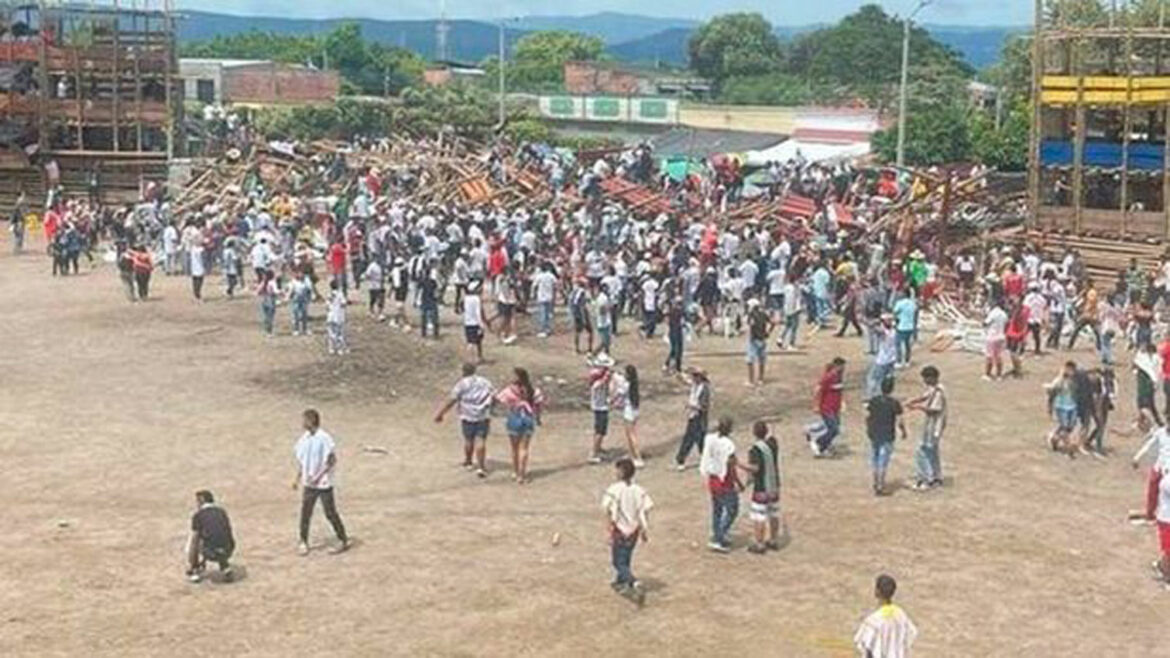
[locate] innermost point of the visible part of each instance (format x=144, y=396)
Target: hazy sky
x=780, y=12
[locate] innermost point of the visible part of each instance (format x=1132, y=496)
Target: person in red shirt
x=1164, y=353
x=337, y=259
x=827, y=403
x=52, y=223
x=1013, y=284
x=1016, y=332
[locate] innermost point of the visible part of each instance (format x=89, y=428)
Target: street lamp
x=901, y=160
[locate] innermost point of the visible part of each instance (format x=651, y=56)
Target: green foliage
x=735, y=45
x=539, y=58
x=864, y=54
x=365, y=67
x=1005, y=149
x=934, y=135
x=771, y=89
x=422, y=111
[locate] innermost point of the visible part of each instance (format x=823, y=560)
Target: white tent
x=810, y=151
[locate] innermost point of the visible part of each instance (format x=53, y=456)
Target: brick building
x=256, y=82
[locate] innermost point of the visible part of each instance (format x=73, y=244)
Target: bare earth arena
x=115, y=413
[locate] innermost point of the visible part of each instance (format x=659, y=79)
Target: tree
x=863, y=53
x=365, y=67
x=735, y=45
x=538, y=61
x=1005, y=148
x=934, y=135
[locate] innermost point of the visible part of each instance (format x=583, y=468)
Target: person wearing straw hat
x=698, y=407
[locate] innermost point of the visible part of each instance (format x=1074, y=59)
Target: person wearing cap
x=697, y=408
x=1037, y=306
x=886, y=356
x=474, y=320
x=759, y=327
x=719, y=468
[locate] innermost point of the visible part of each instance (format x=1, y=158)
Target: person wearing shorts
x=600, y=377
x=474, y=395
x=763, y=465
x=473, y=320
x=996, y=325
x=523, y=402
x=627, y=396
x=759, y=326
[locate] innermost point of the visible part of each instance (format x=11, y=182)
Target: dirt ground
x=114, y=414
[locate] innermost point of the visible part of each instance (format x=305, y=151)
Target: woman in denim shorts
x=522, y=402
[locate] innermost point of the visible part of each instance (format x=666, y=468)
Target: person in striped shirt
x=887, y=632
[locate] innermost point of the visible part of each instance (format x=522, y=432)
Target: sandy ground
x=115, y=413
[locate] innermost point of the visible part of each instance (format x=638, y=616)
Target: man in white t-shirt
x=996, y=326
x=649, y=306
x=544, y=289
x=316, y=461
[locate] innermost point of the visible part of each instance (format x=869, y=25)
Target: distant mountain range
x=628, y=37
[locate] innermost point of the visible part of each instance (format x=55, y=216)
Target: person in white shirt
x=1037, y=306
x=170, y=241
x=261, y=257
x=544, y=288
x=473, y=319
x=316, y=463
x=335, y=320
x=649, y=306
x=719, y=469
x=996, y=326
x=888, y=631
x=626, y=506
x=198, y=269
x=376, y=285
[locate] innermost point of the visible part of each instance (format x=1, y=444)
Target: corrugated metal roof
x=702, y=143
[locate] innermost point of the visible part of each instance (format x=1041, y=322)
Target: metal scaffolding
x=91, y=85
x=1100, y=139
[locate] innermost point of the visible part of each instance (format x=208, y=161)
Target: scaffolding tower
x=1100, y=140
x=89, y=86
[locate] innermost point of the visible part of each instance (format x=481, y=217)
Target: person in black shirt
x=884, y=415
x=211, y=538
x=759, y=326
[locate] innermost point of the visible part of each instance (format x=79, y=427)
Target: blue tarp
x=1059, y=153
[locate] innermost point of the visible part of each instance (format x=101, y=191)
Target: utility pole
x=502, y=64
x=901, y=158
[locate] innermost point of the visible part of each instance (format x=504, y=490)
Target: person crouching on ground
x=211, y=538
x=627, y=507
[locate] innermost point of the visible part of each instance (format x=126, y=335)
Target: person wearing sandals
x=523, y=402
x=474, y=394
x=627, y=396
x=763, y=466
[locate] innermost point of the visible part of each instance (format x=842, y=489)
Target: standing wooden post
x=1037, y=103
x=117, y=79
x=1078, y=182
x=1127, y=125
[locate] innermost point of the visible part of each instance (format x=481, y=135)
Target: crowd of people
x=579, y=263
